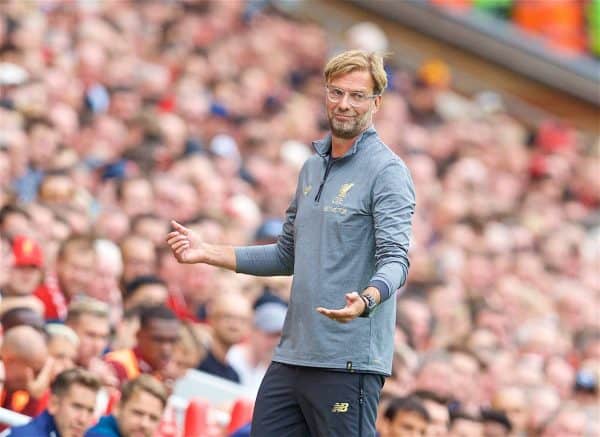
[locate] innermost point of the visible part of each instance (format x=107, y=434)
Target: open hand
x=185, y=244
x=355, y=306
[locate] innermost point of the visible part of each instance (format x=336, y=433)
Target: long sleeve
x=393, y=208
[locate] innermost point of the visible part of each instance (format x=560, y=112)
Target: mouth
x=343, y=117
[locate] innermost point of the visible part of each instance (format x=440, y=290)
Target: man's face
x=140, y=416
x=137, y=197
x=23, y=280
x=348, y=121
x=64, y=353
x=407, y=424
x=93, y=335
x=230, y=324
x=139, y=258
x=493, y=429
x=17, y=370
x=149, y=294
x=440, y=419
x=76, y=271
x=466, y=428
x=157, y=342
x=74, y=411
x=6, y=260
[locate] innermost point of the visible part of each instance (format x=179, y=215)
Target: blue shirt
x=106, y=427
x=41, y=425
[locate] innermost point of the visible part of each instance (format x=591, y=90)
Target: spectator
x=108, y=271
x=439, y=416
x=25, y=276
x=463, y=424
x=28, y=370
x=568, y=420
x=495, y=423
x=70, y=407
x=62, y=346
x=512, y=402
x=148, y=290
x=405, y=417
x=14, y=221
x=252, y=358
x=229, y=315
x=140, y=409
x=75, y=266
x=88, y=318
x=6, y=261
x=139, y=257
x=22, y=316
x=153, y=353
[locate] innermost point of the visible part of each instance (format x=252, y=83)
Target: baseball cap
x=269, y=317
x=27, y=252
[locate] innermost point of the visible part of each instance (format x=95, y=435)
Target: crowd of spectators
x=118, y=116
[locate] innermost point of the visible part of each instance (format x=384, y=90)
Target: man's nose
x=344, y=102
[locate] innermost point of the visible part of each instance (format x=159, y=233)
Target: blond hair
x=358, y=60
x=85, y=305
x=145, y=383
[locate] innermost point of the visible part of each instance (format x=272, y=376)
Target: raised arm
x=188, y=248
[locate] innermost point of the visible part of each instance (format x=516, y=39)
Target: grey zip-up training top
x=347, y=227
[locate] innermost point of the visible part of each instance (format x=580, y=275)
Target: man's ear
x=53, y=404
x=377, y=101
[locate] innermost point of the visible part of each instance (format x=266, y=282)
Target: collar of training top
x=323, y=146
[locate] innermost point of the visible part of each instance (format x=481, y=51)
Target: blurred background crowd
x=118, y=116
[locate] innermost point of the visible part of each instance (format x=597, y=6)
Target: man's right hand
x=185, y=244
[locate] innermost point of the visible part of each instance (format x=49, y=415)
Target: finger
x=179, y=244
x=180, y=228
x=176, y=238
x=182, y=249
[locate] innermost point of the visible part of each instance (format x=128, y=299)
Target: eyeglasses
x=355, y=98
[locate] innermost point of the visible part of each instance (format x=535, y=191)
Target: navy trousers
x=298, y=401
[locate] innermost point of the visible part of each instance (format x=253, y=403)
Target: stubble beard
x=350, y=128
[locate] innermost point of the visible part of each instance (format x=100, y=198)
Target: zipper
x=361, y=401
x=327, y=169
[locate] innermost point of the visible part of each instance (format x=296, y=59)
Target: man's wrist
x=370, y=304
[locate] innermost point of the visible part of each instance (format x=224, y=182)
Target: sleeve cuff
x=384, y=289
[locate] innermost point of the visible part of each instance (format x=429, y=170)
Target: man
x=140, y=409
x=28, y=370
x=437, y=407
x=25, y=276
x=463, y=424
x=6, y=260
x=88, y=317
x=567, y=421
x=229, y=316
x=252, y=358
x=75, y=267
x=62, y=346
x=512, y=401
x=70, y=408
x=22, y=316
x=139, y=257
x=148, y=290
x=406, y=417
x=345, y=239
x=495, y=423
x=156, y=339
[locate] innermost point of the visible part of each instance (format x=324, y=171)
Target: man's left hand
x=355, y=306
